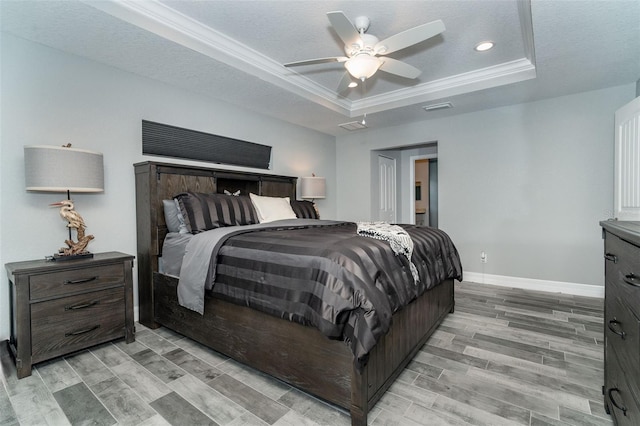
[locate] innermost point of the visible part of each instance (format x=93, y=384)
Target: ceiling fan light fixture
x=484, y=46
x=361, y=49
x=363, y=66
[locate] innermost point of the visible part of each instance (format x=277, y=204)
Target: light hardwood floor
x=505, y=357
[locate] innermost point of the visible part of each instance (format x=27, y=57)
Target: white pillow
x=272, y=208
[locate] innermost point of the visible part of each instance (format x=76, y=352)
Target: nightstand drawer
x=75, y=280
x=70, y=323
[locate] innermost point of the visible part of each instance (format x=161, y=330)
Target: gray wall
x=527, y=183
x=52, y=98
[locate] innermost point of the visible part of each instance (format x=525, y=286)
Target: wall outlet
x=483, y=257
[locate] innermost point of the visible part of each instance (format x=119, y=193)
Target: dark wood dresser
x=621, y=323
x=58, y=307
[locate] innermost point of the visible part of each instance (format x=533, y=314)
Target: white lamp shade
x=363, y=66
x=61, y=169
x=313, y=187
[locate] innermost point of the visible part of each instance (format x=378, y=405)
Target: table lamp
x=65, y=169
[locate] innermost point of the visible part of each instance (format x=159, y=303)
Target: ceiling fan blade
x=344, y=28
x=317, y=61
x=409, y=37
x=393, y=66
x=344, y=83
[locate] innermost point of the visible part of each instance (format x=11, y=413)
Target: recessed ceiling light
x=484, y=46
x=353, y=84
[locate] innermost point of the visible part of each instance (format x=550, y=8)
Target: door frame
x=626, y=189
x=412, y=182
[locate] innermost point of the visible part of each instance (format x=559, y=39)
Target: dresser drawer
x=621, y=400
x=74, y=280
x=66, y=324
x=622, y=271
x=622, y=330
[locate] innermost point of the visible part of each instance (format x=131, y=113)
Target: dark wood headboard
x=161, y=181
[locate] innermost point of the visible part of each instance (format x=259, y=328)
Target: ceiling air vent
x=353, y=125
x=435, y=107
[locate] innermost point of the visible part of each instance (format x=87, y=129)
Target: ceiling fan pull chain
x=364, y=92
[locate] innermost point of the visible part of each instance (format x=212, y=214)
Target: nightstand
x=61, y=307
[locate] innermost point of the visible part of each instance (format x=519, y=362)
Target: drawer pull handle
x=611, y=257
x=616, y=322
x=632, y=280
x=613, y=401
x=82, y=306
x=83, y=331
x=82, y=281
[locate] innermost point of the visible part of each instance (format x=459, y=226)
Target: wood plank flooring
x=505, y=357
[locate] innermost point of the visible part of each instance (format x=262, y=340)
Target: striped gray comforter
x=324, y=275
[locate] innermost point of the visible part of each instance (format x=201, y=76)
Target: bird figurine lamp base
x=75, y=249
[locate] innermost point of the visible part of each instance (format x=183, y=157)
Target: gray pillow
x=173, y=217
x=304, y=209
x=202, y=212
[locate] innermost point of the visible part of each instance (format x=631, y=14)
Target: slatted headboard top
x=162, y=181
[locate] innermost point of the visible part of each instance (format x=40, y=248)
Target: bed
x=297, y=354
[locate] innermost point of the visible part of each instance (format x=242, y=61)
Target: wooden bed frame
x=297, y=354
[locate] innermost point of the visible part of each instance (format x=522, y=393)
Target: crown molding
x=526, y=24
x=172, y=25
x=485, y=78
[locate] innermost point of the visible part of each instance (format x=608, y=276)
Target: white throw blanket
x=398, y=238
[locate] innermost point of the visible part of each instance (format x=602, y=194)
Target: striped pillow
x=304, y=209
x=208, y=211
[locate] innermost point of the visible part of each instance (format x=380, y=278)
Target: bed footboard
x=410, y=329
x=298, y=355
x=301, y=355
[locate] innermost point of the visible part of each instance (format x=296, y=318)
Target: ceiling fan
x=364, y=50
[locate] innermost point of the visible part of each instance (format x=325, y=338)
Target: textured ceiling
x=234, y=51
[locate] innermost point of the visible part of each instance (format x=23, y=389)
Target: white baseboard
x=538, y=285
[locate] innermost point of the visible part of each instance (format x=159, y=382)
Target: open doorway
x=421, y=198
x=405, y=157
x=424, y=200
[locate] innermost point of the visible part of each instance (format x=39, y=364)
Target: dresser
x=622, y=321
x=58, y=307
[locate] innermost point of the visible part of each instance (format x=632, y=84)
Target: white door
x=626, y=192
x=387, y=188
